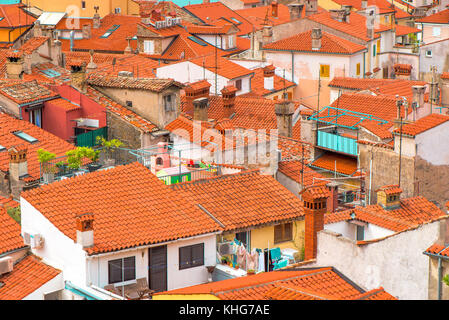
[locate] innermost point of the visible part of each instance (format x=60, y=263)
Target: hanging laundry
x=261, y=265
x=241, y=256
x=252, y=260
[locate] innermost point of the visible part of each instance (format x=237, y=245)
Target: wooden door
x=157, y=268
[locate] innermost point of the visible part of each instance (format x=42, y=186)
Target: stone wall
x=123, y=131
x=432, y=181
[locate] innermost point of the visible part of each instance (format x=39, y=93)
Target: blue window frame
x=25, y=136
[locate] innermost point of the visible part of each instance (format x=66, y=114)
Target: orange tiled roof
x=140, y=65
x=405, y=30
x=125, y=216
x=151, y=84
x=439, y=17
x=437, y=249
x=46, y=141
x=14, y=16
x=70, y=23
x=65, y=105
x=257, y=15
x=10, y=238
x=225, y=67
x=303, y=42
x=99, y=58
x=292, y=169
x=423, y=124
x=411, y=213
x=32, y=44
x=243, y=200
x=390, y=189
x=402, y=69
x=316, y=283
x=380, y=130
x=27, y=276
x=445, y=75
x=8, y=202
x=316, y=191
x=329, y=161
x=223, y=29
x=257, y=83
x=25, y=92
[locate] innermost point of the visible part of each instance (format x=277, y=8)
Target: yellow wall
x=328, y=4
x=264, y=237
x=128, y=7
x=7, y=36
x=185, y=297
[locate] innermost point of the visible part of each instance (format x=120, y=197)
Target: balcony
x=337, y=143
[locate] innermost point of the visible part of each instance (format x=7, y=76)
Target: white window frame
x=436, y=31
x=148, y=46
x=429, y=55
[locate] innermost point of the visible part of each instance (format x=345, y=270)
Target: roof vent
x=127, y=74
x=6, y=265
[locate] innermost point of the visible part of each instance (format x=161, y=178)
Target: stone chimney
x=193, y=91
x=27, y=63
x=228, y=96
x=78, y=75
x=364, y=4
x=311, y=7
x=370, y=20
x=284, y=115
x=347, y=12
x=445, y=89
x=200, y=109
x=418, y=95
x=388, y=197
x=295, y=10
x=337, y=14
x=18, y=168
x=434, y=94
x=267, y=35
x=96, y=21
x=14, y=64
x=274, y=9
x=316, y=38
x=92, y=65
x=85, y=230
x=315, y=206
x=268, y=77
x=37, y=29
x=87, y=31
x=56, y=53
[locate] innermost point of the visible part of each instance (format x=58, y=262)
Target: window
x=231, y=42
x=283, y=232
x=243, y=238
x=148, y=46
x=324, y=70
x=429, y=53
x=110, y=31
x=436, y=31
x=25, y=136
x=118, y=10
x=358, y=69
x=289, y=95
x=121, y=270
x=129, y=104
x=191, y=256
x=378, y=46
x=169, y=102
x=374, y=50
x=360, y=233
x=238, y=84
x=36, y=117
x=83, y=4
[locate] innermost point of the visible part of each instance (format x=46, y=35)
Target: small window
x=374, y=50
x=169, y=102
x=83, y=4
x=25, y=136
x=118, y=10
x=436, y=31
x=121, y=270
x=238, y=84
x=129, y=104
x=148, y=46
x=191, y=256
x=283, y=232
x=358, y=69
x=360, y=233
x=429, y=53
x=324, y=71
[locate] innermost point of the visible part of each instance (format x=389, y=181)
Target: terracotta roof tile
x=257, y=83
x=225, y=67
x=292, y=169
x=10, y=238
x=24, y=92
x=390, y=189
x=151, y=84
x=423, y=124
x=32, y=44
x=303, y=42
x=125, y=216
x=14, y=16
x=330, y=161
x=438, y=250
x=27, y=276
x=439, y=17
x=243, y=200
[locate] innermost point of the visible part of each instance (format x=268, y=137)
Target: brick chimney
x=85, y=230
x=332, y=201
x=370, y=20
x=316, y=38
x=200, y=109
x=295, y=10
x=195, y=90
x=78, y=75
x=14, y=64
x=284, y=115
x=87, y=31
x=311, y=7
x=315, y=206
x=388, y=197
x=268, y=77
x=267, y=35
x=274, y=9
x=18, y=168
x=228, y=96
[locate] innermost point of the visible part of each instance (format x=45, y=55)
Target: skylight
x=198, y=41
x=2, y=148
x=51, y=73
x=25, y=136
x=236, y=21
x=110, y=31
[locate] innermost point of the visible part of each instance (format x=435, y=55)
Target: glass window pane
x=115, y=270
x=198, y=255
x=130, y=268
x=185, y=254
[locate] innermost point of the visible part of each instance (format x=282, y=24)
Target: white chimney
x=268, y=77
x=85, y=230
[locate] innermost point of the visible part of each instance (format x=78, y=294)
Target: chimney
x=267, y=35
x=295, y=10
x=128, y=49
x=92, y=65
x=87, y=32
x=274, y=9
x=18, y=163
x=332, y=201
x=37, y=30
x=315, y=206
x=85, y=230
x=347, y=12
x=78, y=75
x=311, y=7
x=268, y=77
x=364, y=4
x=96, y=21
x=316, y=38
x=195, y=90
x=14, y=64
x=388, y=197
x=284, y=115
x=57, y=53
x=200, y=109
x=337, y=14
x=370, y=19
x=228, y=96
x=418, y=95
x=445, y=89
x=156, y=15
x=27, y=63
x=433, y=95
x=161, y=159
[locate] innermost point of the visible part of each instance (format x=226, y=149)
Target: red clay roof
x=14, y=16
x=329, y=161
x=243, y=200
x=439, y=17
x=438, y=250
x=140, y=65
x=151, y=84
x=46, y=141
x=25, y=92
x=292, y=169
x=390, y=189
x=423, y=124
x=10, y=238
x=32, y=44
x=225, y=67
x=412, y=212
x=99, y=58
x=27, y=276
x=125, y=216
x=405, y=30
x=257, y=15
x=317, y=283
x=302, y=42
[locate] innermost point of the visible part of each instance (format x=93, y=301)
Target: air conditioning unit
x=37, y=241
x=6, y=265
x=225, y=248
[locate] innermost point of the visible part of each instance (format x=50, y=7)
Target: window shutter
x=130, y=268
x=278, y=233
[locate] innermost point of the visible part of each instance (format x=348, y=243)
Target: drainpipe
x=364, y=54
x=440, y=274
x=293, y=67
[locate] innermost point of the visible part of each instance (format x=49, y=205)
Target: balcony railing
x=337, y=143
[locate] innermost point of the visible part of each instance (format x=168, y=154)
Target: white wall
x=55, y=284
x=396, y=263
x=430, y=145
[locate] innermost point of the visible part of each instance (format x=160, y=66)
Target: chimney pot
x=311, y=7
x=194, y=91
x=268, y=77
x=228, y=96
x=85, y=230
x=274, y=9
x=200, y=109
x=316, y=38
x=284, y=115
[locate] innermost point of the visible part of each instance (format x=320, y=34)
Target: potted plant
x=44, y=158
x=75, y=157
x=109, y=147
x=250, y=272
x=93, y=155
